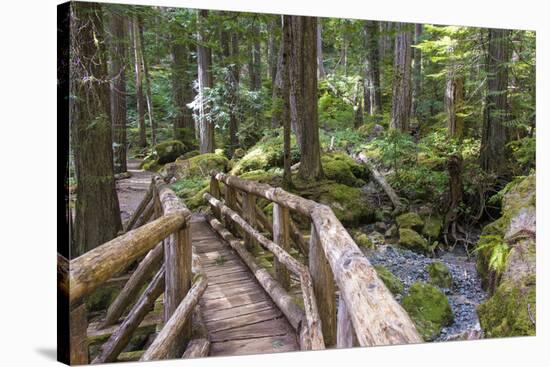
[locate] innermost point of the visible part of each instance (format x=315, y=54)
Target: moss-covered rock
x=189, y=154
x=412, y=240
x=428, y=308
x=410, y=220
x=341, y=168
x=169, y=151
x=511, y=311
x=440, y=275
x=432, y=227
x=238, y=153
x=394, y=284
x=362, y=240
x=348, y=203
x=392, y=232
x=267, y=153
x=200, y=165
x=262, y=176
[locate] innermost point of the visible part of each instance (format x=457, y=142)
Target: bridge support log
x=145, y=271
x=78, y=341
x=167, y=340
x=345, y=335
x=249, y=214
x=281, y=229
x=323, y=285
x=120, y=338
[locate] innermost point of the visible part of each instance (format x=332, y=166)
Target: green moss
x=341, y=168
x=190, y=154
x=261, y=176
x=428, y=308
x=432, y=227
x=101, y=298
x=201, y=165
x=267, y=153
x=511, y=310
x=412, y=240
x=394, y=284
x=348, y=203
x=362, y=240
x=410, y=220
x=239, y=153
x=440, y=275
x=169, y=151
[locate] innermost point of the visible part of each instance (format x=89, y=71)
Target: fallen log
x=381, y=181
x=165, y=340
x=120, y=338
x=145, y=271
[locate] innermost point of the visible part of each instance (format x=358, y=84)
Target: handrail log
x=310, y=305
x=376, y=316
x=145, y=271
x=120, y=338
x=90, y=270
x=165, y=340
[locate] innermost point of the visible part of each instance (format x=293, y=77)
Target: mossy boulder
x=189, y=154
x=428, y=308
x=432, y=227
x=200, y=165
x=238, y=153
x=362, y=240
x=440, y=275
x=348, y=203
x=393, y=283
x=262, y=176
x=410, y=220
x=511, y=311
x=267, y=153
x=341, y=168
x=412, y=240
x=169, y=151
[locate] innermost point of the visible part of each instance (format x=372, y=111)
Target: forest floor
x=132, y=190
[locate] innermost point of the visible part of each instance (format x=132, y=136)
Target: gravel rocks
x=464, y=295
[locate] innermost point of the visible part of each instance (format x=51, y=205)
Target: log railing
x=367, y=311
x=178, y=278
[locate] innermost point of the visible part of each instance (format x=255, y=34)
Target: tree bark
x=204, y=61
x=286, y=114
x=401, y=91
x=230, y=51
x=373, y=67
x=493, y=140
x=303, y=94
x=118, y=90
x=255, y=62
x=417, y=72
x=140, y=98
x=321, y=74
x=454, y=100
x=97, y=202
x=182, y=92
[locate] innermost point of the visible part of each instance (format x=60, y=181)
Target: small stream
x=466, y=292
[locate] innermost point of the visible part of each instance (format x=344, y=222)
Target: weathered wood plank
x=285, y=343
x=257, y=330
x=78, y=342
x=197, y=348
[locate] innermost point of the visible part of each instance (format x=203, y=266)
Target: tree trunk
x=321, y=74
x=184, y=125
x=454, y=100
x=401, y=93
x=286, y=50
x=303, y=94
x=140, y=98
x=493, y=140
x=272, y=51
x=204, y=61
x=148, y=95
x=97, y=202
x=417, y=72
x=118, y=90
x=230, y=52
x=277, y=91
x=254, y=64
x=373, y=67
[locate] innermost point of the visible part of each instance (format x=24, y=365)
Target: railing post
x=177, y=257
x=345, y=337
x=231, y=202
x=281, y=236
x=323, y=287
x=249, y=214
x=215, y=192
x=78, y=338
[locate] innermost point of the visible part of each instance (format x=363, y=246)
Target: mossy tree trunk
x=204, y=61
x=454, y=101
x=417, y=72
x=148, y=95
x=140, y=98
x=373, y=67
x=255, y=61
x=303, y=94
x=118, y=89
x=493, y=140
x=97, y=218
x=284, y=71
x=401, y=90
x=230, y=51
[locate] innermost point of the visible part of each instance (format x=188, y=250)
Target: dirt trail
x=132, y=190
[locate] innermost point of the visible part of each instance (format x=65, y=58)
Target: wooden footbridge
x=197, y=289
